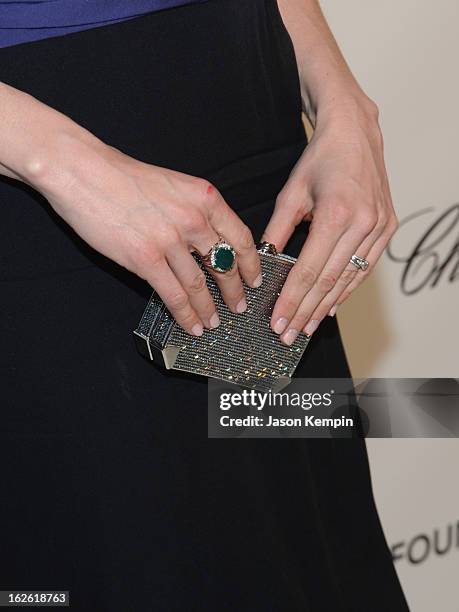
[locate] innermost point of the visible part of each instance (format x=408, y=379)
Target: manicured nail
x=257, y=282
x=333, y=310
x=242, y=305
x=311, y=327
x=197, y=329
x=280, y=325
x=214, y=321
x=290, y=336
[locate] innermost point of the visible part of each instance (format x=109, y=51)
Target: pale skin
x=149, y=218
x=339, y=183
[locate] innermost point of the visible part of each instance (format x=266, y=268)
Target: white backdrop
x=405, y=54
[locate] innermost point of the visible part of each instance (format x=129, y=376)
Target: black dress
x=111, y=488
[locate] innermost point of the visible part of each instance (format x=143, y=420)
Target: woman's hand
x=340, y=185
x=148, y=219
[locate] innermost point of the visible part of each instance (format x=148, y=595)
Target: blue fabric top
x=28, y=20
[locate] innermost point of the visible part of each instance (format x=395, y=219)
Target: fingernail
x=280, y=325
x=333, y=310
x=290, y=336
x=242, y=305
x=257, y=282
x=214, y=321
x=311, y=327
x=197, y=329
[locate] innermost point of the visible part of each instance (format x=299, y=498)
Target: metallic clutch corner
x=243, y=349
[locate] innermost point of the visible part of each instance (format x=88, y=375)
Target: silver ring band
x=359, y=262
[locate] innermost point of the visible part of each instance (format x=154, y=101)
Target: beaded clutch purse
x=243, y=349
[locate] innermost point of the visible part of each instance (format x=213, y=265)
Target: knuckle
x=294, y=202
x=348, y=275
x=373, y=108
x=165, y=237
x=155, y=258
x=145, y=256
x=306, y=276
x=367, y=222
x=207, y=186
x=246, y=239
x=393, y=225
x=281, y=199
x=207, y=190
x=197, y=282
x=288, y=304
x=341, y=212
x=326, y=283
x=381, y=224
x=284, y=199
x=178, y=301
x=193, y=222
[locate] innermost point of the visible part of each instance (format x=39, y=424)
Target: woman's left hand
x=339, y=184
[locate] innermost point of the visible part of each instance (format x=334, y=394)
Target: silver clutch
x=243, y=349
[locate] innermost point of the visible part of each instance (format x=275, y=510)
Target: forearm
x=326, y=79
x=31, y=134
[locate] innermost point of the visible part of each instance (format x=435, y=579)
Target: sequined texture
x=243, y=349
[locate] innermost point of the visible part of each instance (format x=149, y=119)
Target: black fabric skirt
x=110, y=487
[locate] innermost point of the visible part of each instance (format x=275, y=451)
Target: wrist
x=342, y=100
x=32, y=135
x=332, y=92
x=49, y=165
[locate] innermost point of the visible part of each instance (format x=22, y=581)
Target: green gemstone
x=223, y=259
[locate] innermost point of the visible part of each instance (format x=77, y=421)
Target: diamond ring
x=359, y=262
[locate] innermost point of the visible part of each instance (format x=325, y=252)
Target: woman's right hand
x=148, y=219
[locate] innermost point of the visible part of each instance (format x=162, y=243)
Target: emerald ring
x=220, y=257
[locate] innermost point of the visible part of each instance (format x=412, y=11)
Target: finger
x=193, y=281
x=293, y=205
x=350, y=280
x=227, y=224
x=374, y=253
x=375, y=249
x=231, y=288
x=328, y=302
x=373, y=256
x=280, y=228
x=336, y=273
x=169, y=289
x=326, y=282
x=318, y=247
x=229, y=283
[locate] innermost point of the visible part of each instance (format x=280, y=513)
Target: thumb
x=293, y=204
